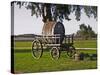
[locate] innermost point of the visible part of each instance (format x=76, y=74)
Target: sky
x=24, y=23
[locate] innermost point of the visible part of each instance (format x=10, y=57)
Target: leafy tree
x=86, y=32
x=52, y=12
x=83, y=31
x=91, y=33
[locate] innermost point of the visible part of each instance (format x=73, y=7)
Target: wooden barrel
x=54, y=28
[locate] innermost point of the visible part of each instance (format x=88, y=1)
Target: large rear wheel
x=37, y=49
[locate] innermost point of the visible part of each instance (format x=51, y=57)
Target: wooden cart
x=54, y=43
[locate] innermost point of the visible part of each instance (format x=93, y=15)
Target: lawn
x=85, y=43
x=77, y=44
x=25, y=63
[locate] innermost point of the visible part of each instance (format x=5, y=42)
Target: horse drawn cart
x=56, y=43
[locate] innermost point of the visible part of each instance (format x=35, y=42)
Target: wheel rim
x=71, y=51
x=36, y=49
x=55, y=53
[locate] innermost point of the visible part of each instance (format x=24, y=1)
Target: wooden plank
x=53, y=45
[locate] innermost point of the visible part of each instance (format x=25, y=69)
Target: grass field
x=85, y=44
x=77, y=44
x=25, y=63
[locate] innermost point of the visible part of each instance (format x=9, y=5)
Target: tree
x=86, y=32
x=91, y=33
x=52, y=12
x=83, y=31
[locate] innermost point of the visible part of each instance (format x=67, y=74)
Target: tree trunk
x=46, y=13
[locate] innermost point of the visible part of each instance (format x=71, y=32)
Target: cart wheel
x=37, y=49
x=55, y=53
x=71, y=51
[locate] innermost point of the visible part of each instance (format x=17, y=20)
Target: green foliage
x=52, y=12
x=86, y=32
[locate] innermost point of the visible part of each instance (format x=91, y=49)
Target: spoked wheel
x=71, y=51
x=37, y=49
x=55, y=53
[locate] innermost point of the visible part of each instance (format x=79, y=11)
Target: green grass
x=23, y=44
x=85, y=43
x=24, y=62
x=77, y=44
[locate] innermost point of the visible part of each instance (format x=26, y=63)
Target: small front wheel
x=55, y=53
x=37, y=49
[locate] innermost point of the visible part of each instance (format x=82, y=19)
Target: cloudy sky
x=24, y=23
